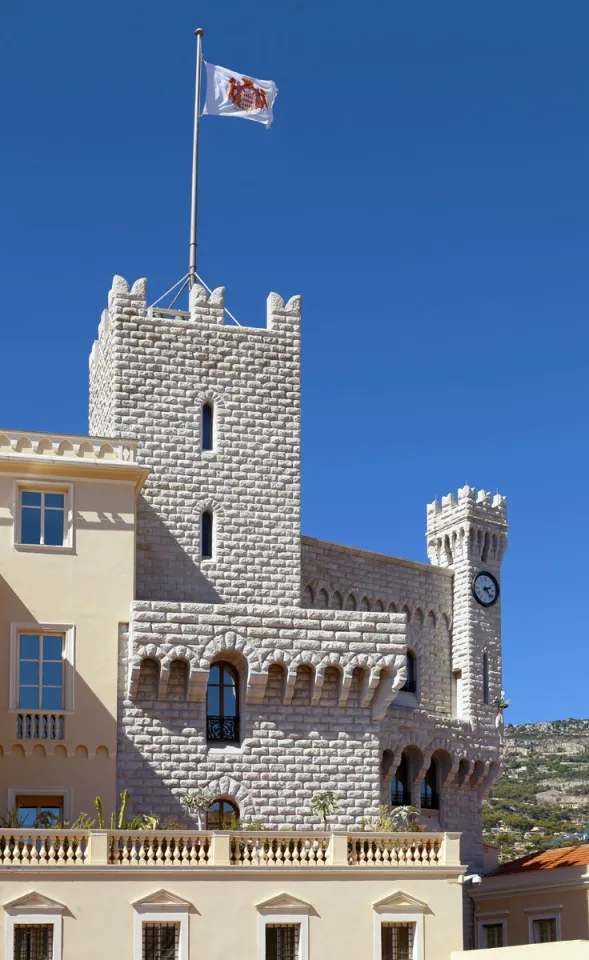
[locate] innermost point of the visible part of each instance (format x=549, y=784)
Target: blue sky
x=424, y=186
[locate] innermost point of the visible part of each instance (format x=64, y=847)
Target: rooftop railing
x=240, y=850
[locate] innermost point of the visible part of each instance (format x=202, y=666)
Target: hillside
x=544, y=791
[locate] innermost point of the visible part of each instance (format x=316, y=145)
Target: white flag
x=231, y=94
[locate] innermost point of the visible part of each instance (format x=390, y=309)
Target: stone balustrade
x=153, y=849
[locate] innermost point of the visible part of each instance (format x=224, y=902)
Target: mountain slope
x=544, y=791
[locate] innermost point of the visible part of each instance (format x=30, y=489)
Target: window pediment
x=34, y=903
x=162, y=900
x=284, y=903
x=400, y=901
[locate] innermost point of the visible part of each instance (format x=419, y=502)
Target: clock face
x=485, y=589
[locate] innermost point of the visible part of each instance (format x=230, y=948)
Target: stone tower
x=151, y=373
x=470, y=536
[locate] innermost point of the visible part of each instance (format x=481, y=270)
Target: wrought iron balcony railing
x=223, y=729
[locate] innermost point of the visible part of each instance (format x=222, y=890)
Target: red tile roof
x=547, y=860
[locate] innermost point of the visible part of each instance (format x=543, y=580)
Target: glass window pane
x=28, y=698
x=207, y=427
x=29, y=646
x=213, y=701
x=30, y=528
x=52, y=698
x=54, y=528
x=55, y=500
x=30, y=498
x=229, y=702
x=52, y=674
x=29, y=673
x=52, y=647
x=27, y=816
x=214, y=675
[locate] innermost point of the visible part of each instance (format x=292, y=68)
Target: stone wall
x=333, y=575
x=150, y=374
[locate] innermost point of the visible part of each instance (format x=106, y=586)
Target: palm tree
x=324, y=804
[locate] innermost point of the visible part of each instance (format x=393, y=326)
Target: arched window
x=410, y=684
x=430, y=798
x=400, y=791
x=221, y=814
x=485, y=678
x=223, y=704
x=206, y=535
x=207, y=426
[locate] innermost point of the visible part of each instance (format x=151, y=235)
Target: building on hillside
x=167, y=630
x=539, y=898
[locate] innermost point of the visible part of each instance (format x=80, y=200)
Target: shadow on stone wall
x=165, y=571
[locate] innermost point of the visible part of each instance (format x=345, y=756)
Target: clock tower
x=469, y=535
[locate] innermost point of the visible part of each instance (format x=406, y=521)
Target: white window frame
x=490, y=920
x=543, y=913
x=52, y=916
x=68, y=631
x=267, y=916
x=390, y=915
x=65, y=793
x=44, y=486
x=161, y=914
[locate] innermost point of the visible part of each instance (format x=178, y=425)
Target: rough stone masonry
x=318, y=634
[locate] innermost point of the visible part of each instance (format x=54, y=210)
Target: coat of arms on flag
x=231, y=94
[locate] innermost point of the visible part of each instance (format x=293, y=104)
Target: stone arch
x=308, y=596
x=85, y=449
x=45, y=446
x=149, y=651
x=407, y=612
x=5, y=443
x=302, y=660
x=351, y=602
x=418, y=616
x=276, y=683
x=486, y=547
x=336, y=601
x=431, y=620
x=81, y=752
x=364, y=603
x=106, y=452
x=228, y=788
x=448, y=551
x=392, y=607
x=196, y=676
x=379, y=606
x=227, y=644
x=60, y=751
x=149, y=679
x=102, y=752
x=363, y=662
x=331, y=660
x=322, y=599
x=65, y=449
x=178, y=679
x=23, y=445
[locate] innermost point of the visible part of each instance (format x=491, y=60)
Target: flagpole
x=194, y=198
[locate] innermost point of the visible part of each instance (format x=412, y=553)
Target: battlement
x=472, y=526
x=125, y=301
x=480, y=503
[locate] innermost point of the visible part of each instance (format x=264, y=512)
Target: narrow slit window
x=410, y=684
x=206, y=535
x=485, y=678
x=207, y=426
